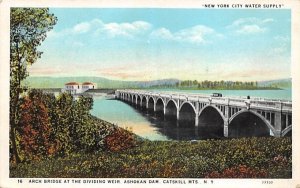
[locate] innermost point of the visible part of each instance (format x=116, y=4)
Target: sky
x=149, y=44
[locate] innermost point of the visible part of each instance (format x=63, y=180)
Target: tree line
x=206, y=84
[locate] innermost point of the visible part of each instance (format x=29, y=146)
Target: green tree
x=80, y=120
x=28, y=28
x=64, y=122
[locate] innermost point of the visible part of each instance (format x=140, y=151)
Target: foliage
x=206, y=84
x=219, y=85
x=62, y=125
x=241, y=171
x=228, y=158
x=28, y=28
x=120, y=139
x=34, y=127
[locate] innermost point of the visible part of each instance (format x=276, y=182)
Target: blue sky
x=149, y=44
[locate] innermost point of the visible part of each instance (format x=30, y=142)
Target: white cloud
x=251, y=29
x=82, y=27
x=125, y=29
x=196, y=35
x=97, y=26
x=251, y=20
x=268, y=20
x=251, y=25
x=162, y=33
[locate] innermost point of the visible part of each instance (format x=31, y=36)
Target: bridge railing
x=287, y=106
x=263, y=103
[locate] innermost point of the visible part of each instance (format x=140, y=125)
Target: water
x=156, y=127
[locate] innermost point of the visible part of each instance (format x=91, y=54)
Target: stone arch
x=255, y=114
x=187, y=114
x=267, y=123
x=159, y=105
x=151, y=103
x=129, y=97
x=211, y=121
x=134, y=98
x=171, y=109
x=216, y=108
x=287, y=130
x=144, y=101
x=172, y=100
x=188, y=102
x=139, y=99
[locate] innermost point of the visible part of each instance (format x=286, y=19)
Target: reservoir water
x=155, y=127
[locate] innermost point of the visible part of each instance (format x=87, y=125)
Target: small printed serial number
x=267, y=182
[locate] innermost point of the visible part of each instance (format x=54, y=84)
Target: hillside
x=58, y=82
x=280, y=83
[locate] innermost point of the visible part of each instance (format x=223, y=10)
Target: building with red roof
x=88, y=85
x=77, y=88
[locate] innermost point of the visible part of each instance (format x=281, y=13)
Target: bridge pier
x=278, y=125
x=278, y=121
x=226, y=128
x=196, y=120
x=196, y=114
x=226, y=121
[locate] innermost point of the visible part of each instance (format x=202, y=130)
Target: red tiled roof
x=87, y=83
x=72, y=83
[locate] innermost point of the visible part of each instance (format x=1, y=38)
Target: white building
x=87, y=85
x=77, y=88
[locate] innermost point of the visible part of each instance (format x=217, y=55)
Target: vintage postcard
x=149, y=94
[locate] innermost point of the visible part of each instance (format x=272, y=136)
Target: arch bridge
x=275, y=116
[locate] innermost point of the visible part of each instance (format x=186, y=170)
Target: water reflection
x=125, y=116
x=176, y=130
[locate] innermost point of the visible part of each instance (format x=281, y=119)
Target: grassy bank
x=232, y=158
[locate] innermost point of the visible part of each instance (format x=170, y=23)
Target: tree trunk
x=14, y=105
x=14, y=144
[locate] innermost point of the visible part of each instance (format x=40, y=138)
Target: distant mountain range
x=280, y=83
x=59, y=82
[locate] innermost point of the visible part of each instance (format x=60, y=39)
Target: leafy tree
x=120, y=139
x=34, y=126
x=64, y=123
x=28, y=28
x=80, y=130
x=50, y=102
